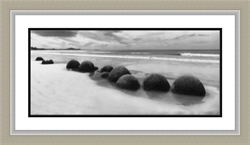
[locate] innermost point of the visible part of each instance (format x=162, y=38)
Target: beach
x=58, y=91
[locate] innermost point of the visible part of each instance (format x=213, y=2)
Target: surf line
x=140, y=57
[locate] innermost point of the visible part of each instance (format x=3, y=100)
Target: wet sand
x=56, y=90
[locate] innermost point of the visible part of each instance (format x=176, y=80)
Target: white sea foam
x=200, y=55
x=141, y=57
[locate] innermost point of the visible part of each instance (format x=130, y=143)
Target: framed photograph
x=56, y=100
x=125, y=72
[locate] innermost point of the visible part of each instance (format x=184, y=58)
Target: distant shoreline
x=54, y=49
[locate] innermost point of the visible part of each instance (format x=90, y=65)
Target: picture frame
x=22, y=22
x=152, y=132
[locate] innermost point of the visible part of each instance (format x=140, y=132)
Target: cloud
x=203, y=35
x=137, y=39
x=44, y=45
x=55, y=33
x=115, y=37
x=183, y=36
x=69, y=40
x=88, y=44
x=104, y=36
x=94, y=35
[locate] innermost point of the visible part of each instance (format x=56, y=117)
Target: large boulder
x=107, y=68
x=72, y=64
x=87, y=66
x=156, y=82
x=39, y=59
x=105, y=75
x=188, y=85
x=117, y=72
x=128, y=82
x=47, y=62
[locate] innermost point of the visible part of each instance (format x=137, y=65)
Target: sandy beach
x=56, y=90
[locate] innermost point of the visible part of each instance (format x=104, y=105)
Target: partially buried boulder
x=87, y=66
x=117, y=72
x=188, y=85
x=72, y=64
x=105, y=75
x=39, y=59
x=107, y=68
x=156, y=82
x=47, y=62
x=128, y=82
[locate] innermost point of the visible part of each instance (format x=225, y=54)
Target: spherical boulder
x=188, y=85
x=128, y=82
x=156, y=82
x=105, y=75
x=86, y=66
x=47, y=62
x=107, y=68
x=39, y=59
x=72, y=64
x=117, y=72
x=95, y=68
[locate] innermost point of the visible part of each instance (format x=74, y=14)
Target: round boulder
x=105, y=75
x=128, y=82
x=156, y=82
x=188, y=85
x=72, y=64
x=86, y=66
x=47, y=62
x=117, y=72
x=107, y=68
x=95, y=68
x=39, y=59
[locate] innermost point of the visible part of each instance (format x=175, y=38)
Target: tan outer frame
x=120, y=132
x=6, y=6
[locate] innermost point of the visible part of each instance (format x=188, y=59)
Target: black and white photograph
x=125, y=72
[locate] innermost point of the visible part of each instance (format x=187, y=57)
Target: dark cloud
x=183, y=36
x=93, y=35
x=112, y=35
x=55, y=33
x=104, y=36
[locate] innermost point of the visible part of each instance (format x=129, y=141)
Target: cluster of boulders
x=122, y=78
x=85, y=66
x=44, y=61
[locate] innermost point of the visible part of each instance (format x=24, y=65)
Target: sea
x=199, y=56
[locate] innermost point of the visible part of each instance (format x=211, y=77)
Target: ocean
x=200, y=56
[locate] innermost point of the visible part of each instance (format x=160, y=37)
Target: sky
x=126, y=40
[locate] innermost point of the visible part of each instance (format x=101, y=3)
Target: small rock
x=39, y=59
